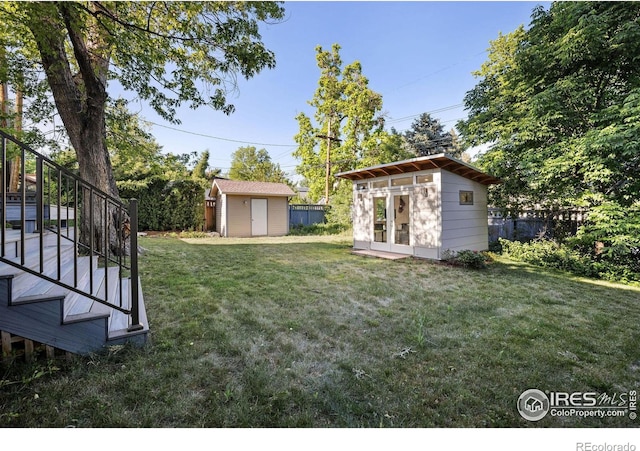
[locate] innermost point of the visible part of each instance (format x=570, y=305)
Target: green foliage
x=168, y=53
x=318, y=229
x=250, y=164
x=348, y=111
x=165, y=52
x=18, y=58
x=389, y=147
x=31, y=373
x=135, y=155
x=559, y=105
x=617, y=227
x=466, y=258
x=427, y=137
x=340, y=211
x=577, y=257
x=170, y=195
x=168, y=205
x=189, y=234
x=549, y=254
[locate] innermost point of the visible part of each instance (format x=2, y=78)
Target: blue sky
x=418, y=55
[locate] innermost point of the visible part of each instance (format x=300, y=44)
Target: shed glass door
x=401, y=221
x=381, y=226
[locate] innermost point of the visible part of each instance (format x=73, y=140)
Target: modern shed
x=423, y=206
x=245, y=209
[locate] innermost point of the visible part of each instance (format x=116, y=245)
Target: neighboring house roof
x=251, y=188
x=439, y=161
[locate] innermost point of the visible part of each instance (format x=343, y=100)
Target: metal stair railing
x=62, y=199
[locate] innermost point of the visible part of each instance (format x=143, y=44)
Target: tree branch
x=94, y=84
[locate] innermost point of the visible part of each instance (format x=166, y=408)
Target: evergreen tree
x=427, y=137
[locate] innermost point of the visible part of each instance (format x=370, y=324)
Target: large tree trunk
x=80, y=100
x=95, y=168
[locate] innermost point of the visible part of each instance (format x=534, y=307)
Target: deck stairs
x=35, y=308
x=76, y=294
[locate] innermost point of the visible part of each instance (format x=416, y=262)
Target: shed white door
x=381, y=225
x=258, y=217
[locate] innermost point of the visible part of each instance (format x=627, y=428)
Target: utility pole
x=328, y=163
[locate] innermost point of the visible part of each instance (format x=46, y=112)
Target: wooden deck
x=33, y=309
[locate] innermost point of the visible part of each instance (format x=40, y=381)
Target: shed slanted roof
x=252, y=188
x=439, y=161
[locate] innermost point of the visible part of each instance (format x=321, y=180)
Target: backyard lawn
x=299, y=332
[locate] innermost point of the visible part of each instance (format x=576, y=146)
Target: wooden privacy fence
x=532, y=224
x=306, y=214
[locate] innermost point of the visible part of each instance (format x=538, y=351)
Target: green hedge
x=163, y=205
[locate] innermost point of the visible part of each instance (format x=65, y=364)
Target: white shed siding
x=362, y=220
x=425, y=227
x=463, y=226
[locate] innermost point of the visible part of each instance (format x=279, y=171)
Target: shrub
x=576, y=257
x=318, y=229
x=466, y=258
x=190, y=234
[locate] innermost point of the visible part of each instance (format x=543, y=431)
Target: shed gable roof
x=251, y=188
x=439, y=161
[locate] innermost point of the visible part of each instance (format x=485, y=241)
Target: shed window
x=466, y=197
x=362, y=186
x=402, y=181
x=426, y=178
x=380, y=183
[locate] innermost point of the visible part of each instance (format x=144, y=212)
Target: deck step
x=119, y=323
x=24, y=282
x=76, y=303
x=42, y=311
x=48, y=289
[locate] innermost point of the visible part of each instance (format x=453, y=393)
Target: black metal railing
x=65, y=204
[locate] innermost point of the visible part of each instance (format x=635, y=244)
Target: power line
x=220, y=138
x=439, y=110
x=442, y=69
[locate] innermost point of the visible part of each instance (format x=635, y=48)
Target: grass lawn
x=299, y=332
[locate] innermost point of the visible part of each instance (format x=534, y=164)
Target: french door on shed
x=391, y=223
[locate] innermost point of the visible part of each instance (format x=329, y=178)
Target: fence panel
x=306, y=214
x=531, y=224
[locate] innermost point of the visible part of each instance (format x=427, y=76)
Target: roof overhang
x=440, y=161
x=247, y=188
